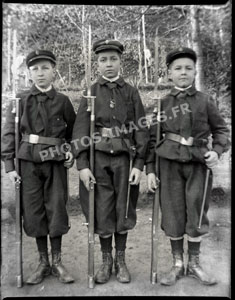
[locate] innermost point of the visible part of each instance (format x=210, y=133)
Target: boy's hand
x=13, y=176
x=152, y=182
x=135, y=175
x=211, y=158
x=86, y=177
x=69, y=160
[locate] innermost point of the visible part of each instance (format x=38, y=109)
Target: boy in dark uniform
x=188, y=117
x=46, y=124
x=118, y=113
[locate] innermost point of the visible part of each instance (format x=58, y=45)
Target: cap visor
x=40, y=57
x=107, y=48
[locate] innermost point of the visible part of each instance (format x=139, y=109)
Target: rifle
x=156, y=205
x=16, y=109
x=132, y=154
x=91, y=215
x=205, y=190
x=204, y=197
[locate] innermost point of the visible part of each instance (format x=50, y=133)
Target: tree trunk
x=156, y=61
x=221, y=32
x=69, y=74
x=189, y=40
x=196, y=44
x=144, y=42
x=140, y=56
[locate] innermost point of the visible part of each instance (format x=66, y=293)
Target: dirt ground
x=215, y=250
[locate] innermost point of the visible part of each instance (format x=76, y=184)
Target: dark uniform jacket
x=205, y=120
x=127, y=110
x=60, y=116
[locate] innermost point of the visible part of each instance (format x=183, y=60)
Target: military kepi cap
x=179, y=53
x=104, y=44
x=39, y=54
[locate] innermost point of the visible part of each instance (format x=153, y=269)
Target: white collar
x=44, y=90
x=180, y=89
x=112, y=79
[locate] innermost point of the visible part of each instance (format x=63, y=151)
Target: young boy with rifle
x=46, y=123
x=188, y=117
x=118, y=113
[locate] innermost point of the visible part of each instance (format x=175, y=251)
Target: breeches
x=182, y=186
x=44, y=198
x=112, y=174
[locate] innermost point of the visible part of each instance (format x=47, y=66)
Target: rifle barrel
x=19, y=266
x=91, y=240
x=91, y=108
x=155, y=211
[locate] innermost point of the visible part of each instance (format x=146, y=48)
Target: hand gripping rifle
x=156, y=205
x=91, y=215
x=16, y=109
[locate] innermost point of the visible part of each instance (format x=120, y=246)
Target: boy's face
x=182, y=72
x=109, y=63
x=42, y=73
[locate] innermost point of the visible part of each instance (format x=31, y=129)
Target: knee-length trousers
x=44, y=197
x=182, y=186
x=112, y=174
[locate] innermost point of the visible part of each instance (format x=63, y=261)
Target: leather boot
x=59, y=270
x=121, y=270
x=195, y=270
x=43, y=269
x=104, y=273
x=176, y=272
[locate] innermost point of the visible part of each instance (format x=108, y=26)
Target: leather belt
x=187, y=142
x=36, y=139
x=112, y=133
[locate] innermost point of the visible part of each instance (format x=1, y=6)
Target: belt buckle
x=107, y=132
x=187, y=142
x=33, y=139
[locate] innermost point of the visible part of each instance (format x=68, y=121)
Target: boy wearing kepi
x=46, y=125
x=118, y=116
x=187, y=117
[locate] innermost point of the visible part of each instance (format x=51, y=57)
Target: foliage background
x=63, y=29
